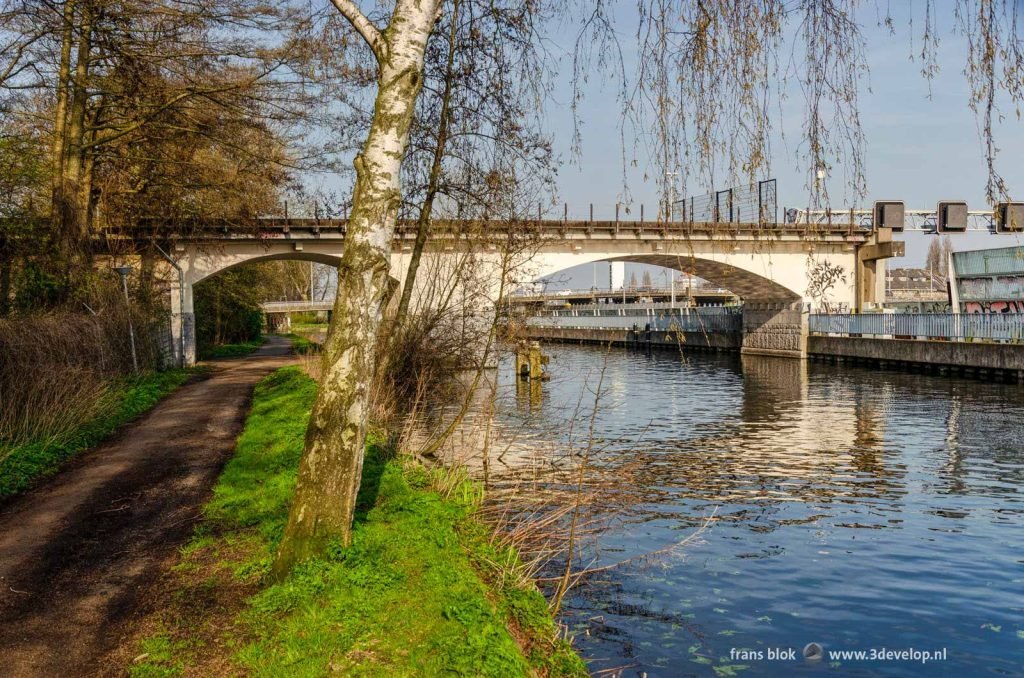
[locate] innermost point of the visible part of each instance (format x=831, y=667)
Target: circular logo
x=813, y=651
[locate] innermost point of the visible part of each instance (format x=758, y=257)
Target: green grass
x=417, y=592
x=230, y=350
x=302, y=344
x=308, y=328
x=26, y=464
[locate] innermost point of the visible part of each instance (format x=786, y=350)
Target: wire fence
x=982, y=327
x=753, y=204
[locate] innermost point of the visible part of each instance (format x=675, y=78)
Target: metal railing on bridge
x=706, y=319
x=980, y=327
x=756, y=203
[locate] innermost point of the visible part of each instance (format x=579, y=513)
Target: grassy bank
x=301, y=343
x=230, y=350
x=419, y=591
x=23, y=465
x=308, y=328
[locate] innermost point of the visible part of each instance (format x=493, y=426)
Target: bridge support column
x=870, y=271
x=774, y=328
x=279, y=322
x=183, y=324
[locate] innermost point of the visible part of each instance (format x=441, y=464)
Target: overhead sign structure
x=951, y=216
x=1010, y=217
x=889, y=214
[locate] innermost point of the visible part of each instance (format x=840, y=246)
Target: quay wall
x=697, y=341
x=977, y=359
x=942, y=355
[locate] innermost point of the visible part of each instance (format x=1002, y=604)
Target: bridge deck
x=297, y=306
x=448, y=229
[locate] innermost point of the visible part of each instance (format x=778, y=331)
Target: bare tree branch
x=365, y=27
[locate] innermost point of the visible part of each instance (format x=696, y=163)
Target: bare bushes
x=56, y=368
x=417, y=368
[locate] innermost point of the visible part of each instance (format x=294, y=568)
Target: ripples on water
x=856, y=508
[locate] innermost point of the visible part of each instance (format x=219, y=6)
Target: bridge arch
x=201, y=264
x=762, y=277
x=198, y=262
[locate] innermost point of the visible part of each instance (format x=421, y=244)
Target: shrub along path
x=78, y=553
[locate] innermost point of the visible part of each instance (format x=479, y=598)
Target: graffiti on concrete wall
x=992, y=294
x=994, y=306
x=997, y=287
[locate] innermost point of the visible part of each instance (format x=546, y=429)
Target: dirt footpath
x=78, y=554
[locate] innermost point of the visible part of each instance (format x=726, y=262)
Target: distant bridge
x=297, y=306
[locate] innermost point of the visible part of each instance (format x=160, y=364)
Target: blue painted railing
x=710, y=320
x=990, y=327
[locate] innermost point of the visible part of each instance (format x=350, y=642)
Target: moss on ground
x=418, y=592
x=24, y=465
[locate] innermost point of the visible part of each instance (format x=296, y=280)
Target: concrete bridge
x=771, y=267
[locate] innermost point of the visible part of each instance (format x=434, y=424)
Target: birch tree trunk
x=332, y=462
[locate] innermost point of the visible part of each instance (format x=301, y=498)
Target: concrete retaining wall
x=972, y=359
x=946, y=354
x=656, y=339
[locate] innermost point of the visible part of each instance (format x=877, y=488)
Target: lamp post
x=123, y=271
x=671, y=181
x=819, y=179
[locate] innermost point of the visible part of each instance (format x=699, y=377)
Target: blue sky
x=919, y=150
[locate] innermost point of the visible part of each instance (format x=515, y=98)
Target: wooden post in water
x=522, y=361
x=537, y=362
x=530, y=361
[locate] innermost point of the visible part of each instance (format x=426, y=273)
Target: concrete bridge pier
x=775, y=329
x=277, y=322
x=869, y=272
x=183, y=324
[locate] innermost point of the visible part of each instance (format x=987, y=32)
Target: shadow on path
x=78, y=554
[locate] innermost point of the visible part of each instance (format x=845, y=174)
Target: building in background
x=987, y=281
x=916, y=290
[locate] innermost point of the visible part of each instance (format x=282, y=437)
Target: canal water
x=757, y=505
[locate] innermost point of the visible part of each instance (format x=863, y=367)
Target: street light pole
x=123, y=271
x=671, y=177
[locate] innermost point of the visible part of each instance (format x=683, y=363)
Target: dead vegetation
x=57, y=367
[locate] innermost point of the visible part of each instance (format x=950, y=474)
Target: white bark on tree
x=331, y=467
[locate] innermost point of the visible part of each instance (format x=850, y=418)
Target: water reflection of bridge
x=714, y=428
